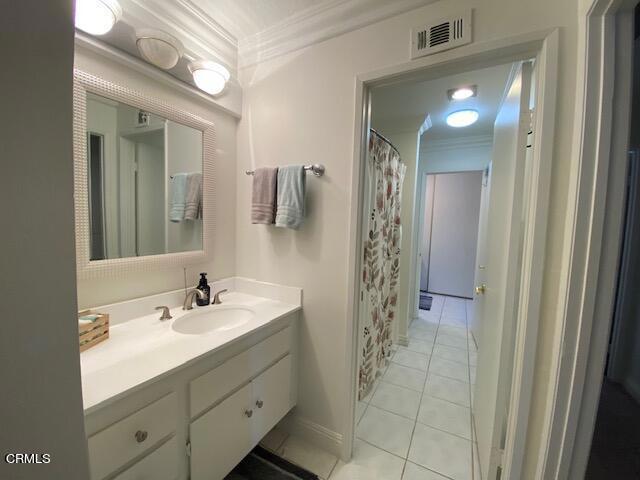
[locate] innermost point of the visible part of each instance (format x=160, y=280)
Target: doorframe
x=420, y=208
x=592, y=239
x=543, y=46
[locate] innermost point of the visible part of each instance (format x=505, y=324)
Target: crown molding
x=316, y=24
x=201, y=35
x=473, y=141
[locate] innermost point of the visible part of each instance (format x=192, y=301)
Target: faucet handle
x=216, y=297
x=165, y=313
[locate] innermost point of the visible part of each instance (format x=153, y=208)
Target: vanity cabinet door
x=271, y=395
x=221, y=437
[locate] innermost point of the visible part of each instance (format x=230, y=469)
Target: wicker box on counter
x=92, y=333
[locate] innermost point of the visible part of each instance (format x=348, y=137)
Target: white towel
x=291, y=188
x=179, y=198
x=193, y=197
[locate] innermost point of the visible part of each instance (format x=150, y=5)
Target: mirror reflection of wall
x=144, y=181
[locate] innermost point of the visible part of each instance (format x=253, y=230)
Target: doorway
x=615, y=447
x=417, y=389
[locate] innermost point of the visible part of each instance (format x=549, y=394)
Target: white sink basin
x=214, y=318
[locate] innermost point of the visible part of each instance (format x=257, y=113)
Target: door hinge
x=188, y=449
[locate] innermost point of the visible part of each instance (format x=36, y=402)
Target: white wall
x=408, y=144
x=460, y=155
x=222, y=259
x=299, y=108
x=41, y=400
x=425, y=240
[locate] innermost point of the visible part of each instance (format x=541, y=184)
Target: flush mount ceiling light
x=462, y=118
x=462, y=93
x=209, y=76
x=158, y=47
x=97, y=17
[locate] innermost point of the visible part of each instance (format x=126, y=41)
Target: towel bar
x=316, y=169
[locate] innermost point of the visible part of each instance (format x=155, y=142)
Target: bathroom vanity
x=189, y=397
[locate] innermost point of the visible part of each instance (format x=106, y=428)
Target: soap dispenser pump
x=203, y=286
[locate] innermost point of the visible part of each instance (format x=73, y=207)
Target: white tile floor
x=416, y=423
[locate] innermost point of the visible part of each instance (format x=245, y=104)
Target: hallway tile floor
x=416, y=423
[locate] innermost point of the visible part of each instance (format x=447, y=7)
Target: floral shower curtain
x=381, y=258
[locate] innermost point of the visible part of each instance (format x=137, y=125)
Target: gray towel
x=179, y=187
x=263, y=197
x=193, y=202
x=291, y=187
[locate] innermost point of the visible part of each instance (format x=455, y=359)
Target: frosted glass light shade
x=462, y=93
x=158, y=47
x=462, y=118
x=97, y=17
x=209, y=76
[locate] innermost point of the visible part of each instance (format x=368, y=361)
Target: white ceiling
x=245, y=18
x=403, y=107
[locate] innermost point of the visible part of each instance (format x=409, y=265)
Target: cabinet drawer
x=161, y=464
x=209, y=388
x=114, y=446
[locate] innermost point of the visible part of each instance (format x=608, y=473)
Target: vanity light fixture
x=209, y=76
x=462, y=93
x=97, y=17
x=158, y=47
x=462, y=118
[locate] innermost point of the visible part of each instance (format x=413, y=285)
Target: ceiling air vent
x=442, y=35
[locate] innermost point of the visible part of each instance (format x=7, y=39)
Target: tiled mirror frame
x=112, y=268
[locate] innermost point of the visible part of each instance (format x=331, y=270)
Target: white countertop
x=144, y=349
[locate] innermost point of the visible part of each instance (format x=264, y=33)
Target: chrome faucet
x=188, y=300
x=165, y=313
x=216, y=297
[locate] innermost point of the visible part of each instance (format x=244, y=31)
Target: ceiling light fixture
x=462, y=118
x=462, y=93
x=209, y=76
x=158, y=47
x=97, y=17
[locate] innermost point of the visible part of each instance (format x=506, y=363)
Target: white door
x=454, y=233
x=221, y=437
x=271, y=398
x=475, y=314
x=502, y=272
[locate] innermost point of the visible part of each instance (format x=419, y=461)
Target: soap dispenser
x=203, y=286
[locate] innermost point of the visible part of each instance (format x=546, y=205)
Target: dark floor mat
x=615, y=450
x=425, y=301
x=261, y=464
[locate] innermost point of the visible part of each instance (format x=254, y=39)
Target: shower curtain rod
x=386, y=140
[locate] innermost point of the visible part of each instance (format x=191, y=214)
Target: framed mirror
x=141, y=168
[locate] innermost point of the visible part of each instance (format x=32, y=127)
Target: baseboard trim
x=313, y=433
x=403, y=340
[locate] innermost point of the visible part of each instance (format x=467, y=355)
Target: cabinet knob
x=248, y=413
x=141, y=436
x=259, y=403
